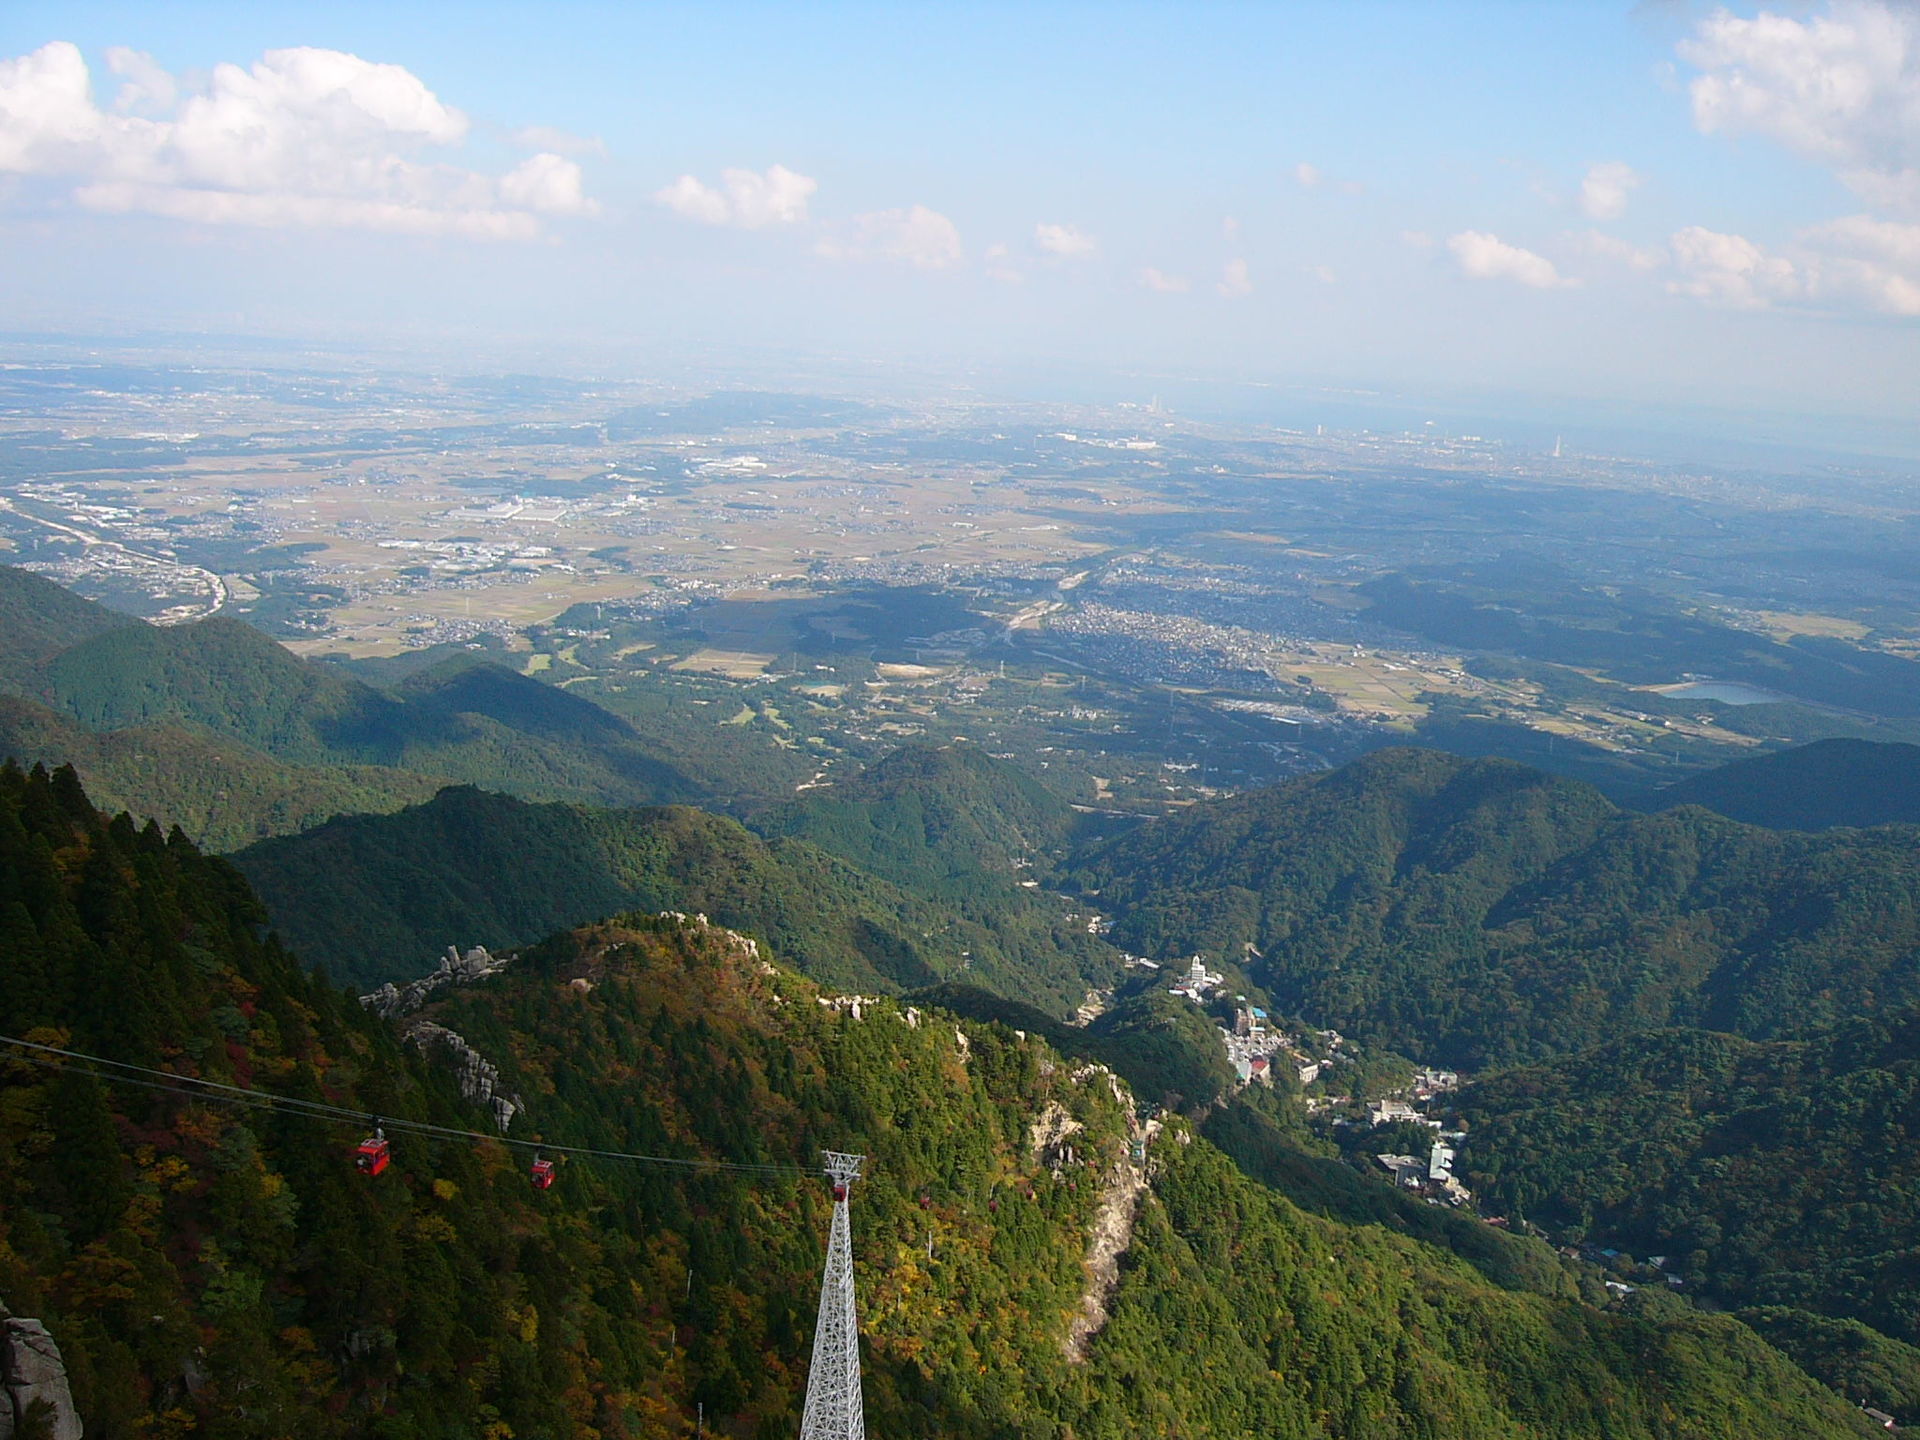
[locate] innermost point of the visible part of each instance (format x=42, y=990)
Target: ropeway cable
x=124, y=1073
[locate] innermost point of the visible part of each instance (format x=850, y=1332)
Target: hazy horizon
x=1651, y=212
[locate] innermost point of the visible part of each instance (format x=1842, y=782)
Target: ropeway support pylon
x=833, y=1384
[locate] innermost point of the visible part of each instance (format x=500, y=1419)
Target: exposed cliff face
x=1123, y=1185
x=391, y=1001
x=34, y=1395
x=479, y=1077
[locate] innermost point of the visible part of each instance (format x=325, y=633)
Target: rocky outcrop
x=1048, y=1135
x=1123, y=1186
x=479, y=1077
x=391, y=1001
x=35, y=1398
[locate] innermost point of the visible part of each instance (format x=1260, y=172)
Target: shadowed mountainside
x=1821, y=786
x=1477, y=912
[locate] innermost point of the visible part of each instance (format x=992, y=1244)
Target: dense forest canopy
x=1476, y=912
x=1775, y=1173
x=228, y=1273
x=378, y=897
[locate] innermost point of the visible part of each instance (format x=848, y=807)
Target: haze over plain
x=1596, y=206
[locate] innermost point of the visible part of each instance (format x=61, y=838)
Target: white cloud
x=1731, y=270
x=1312, y=177
x=1843, y=87
x=302, y=137
x=747, y=199
x=1870, y=260
x=1163, y=283
x=1234, y=280
x=1604, y=192
x=547, y=184
x=1324, y=274
x=1611, y=248
x=1417, y=239
x=1068, y=241
x=1488, y=257
x=917, y=236
x=1230, y=228
x=148, y=86
x=1851, y=263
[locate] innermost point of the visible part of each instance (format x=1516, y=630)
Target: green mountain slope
x=1164, y=1048
x=1478, y=912
x=222, y=792
x=468, y=722
x=225, y=1271
x=374, y=898
x=39, y=619
x=1812, y=787
x=303, y=740
x=224, y=677
x=930, y=816
x=1780, y=1173
x=974, y=834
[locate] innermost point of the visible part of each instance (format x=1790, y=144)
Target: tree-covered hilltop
x=1167, y=1050
x=461, y=722
x=222, y=792
x=303, y=739
x=1820, y=786
x=1779, y=1173
x=933, y=817
x=1477, y=912
x=225, y=1272
x=39, y=619
x=376, y=897
x=975, y=835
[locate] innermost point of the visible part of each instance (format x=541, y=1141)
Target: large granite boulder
x=33, y=1383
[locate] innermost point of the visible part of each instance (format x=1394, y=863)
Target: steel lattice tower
x=833, y=1384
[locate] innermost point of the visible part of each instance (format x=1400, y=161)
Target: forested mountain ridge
x=1780, y=1173
x=1812, y=787
x=1477, y=912
x=226, y=1272
x=306, y=740
x=222, y=792
x=464, y=722
x=375, y=897
x=933, y=817
x=39, y=619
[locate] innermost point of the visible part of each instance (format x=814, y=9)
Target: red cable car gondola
x=542, y=1174
x=374, y=1154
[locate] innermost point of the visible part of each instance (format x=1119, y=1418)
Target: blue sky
x=1626, y=202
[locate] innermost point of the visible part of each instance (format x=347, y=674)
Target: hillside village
x=1258, y=1048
